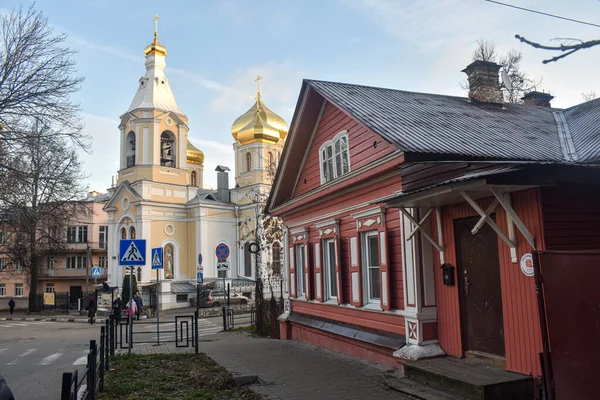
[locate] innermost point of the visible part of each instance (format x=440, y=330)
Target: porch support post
x=513, y=215
x=491, y=223
x=419, y=290
x=485, y=217
x=438, y=217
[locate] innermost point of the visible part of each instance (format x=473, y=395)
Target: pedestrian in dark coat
x=117, y=310
x=11, y=305
x=91, y=310
x=139, y=304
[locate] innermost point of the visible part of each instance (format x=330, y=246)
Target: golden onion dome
x=259, y=122
x=194, y=155
x=155, y=47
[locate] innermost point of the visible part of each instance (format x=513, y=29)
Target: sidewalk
x=24, y=316
x=291, y=370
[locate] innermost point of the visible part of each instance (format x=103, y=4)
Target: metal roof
x=438, y=124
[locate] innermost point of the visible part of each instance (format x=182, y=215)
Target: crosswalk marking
x=51, y=358
x=23, y=354
x=83, y=359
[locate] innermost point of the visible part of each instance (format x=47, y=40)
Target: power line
x=543, y=13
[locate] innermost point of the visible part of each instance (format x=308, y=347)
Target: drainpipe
x=237, y=238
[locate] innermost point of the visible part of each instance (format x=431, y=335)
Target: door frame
x=461, y=289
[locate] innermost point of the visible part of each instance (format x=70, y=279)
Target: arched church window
x=194, y=178
x=276, y=259
x=247, y=260
x=123, y=233
x=130, y=149
x=271, y=160
x=132, y=233
x=167, y=149
x=169, y=261
x=248, y=161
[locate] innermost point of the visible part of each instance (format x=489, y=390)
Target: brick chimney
x=484, y=82
x=537, y=99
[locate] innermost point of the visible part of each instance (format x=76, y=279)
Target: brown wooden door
x=479, y=283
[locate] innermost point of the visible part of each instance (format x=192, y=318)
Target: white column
x=146, y=158
x=123, y=149
x=182, y=147
x=138, y=150
x=156, y=144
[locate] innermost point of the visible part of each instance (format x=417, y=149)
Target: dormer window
x=334, y=157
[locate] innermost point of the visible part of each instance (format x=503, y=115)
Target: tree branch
x=567, y=49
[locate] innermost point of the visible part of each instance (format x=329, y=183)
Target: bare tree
x=567, y=46
x=520, y=83
x=36, y=78
x=39, y=196
x=587, y=96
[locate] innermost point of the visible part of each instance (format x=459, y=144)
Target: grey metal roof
x=182, y=287
x=437, y=124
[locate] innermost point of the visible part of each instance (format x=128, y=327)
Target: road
x=34, y=354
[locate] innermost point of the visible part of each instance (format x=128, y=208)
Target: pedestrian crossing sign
x=132, y=252
x=95, y=272
x=157, y=258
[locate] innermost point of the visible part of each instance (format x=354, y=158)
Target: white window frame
x=329, y=270
x=365, y=252
x=49, y=288
x=22, y=290
x=75, y=262
x=76, y=233
x=300, y=263
x=102, y=261
x=333, y=164
x=3, y=263
x=103, y=237
x=2, y=289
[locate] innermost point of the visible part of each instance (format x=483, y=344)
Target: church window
x=247, y=260
x=123, y=233
x=194, y=178
x=335, y=157
x=248, y=161
x=167, y=149
x=169, y=261
x=271, y=160
x=132, y=233
x=130, y=152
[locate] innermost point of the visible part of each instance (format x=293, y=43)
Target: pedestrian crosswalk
x=167, y=330
x=41, y=357
x=4, y=325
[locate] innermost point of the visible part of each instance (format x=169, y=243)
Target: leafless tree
x=567, y=46
x=520, y=83
x=40, y=194
x=587, y=96
x=37, y=78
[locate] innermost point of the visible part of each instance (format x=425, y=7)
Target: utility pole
x=87, y=270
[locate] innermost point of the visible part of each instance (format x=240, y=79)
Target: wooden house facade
x=411, y=218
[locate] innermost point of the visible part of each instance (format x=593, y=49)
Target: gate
x=183, y=331
x=569, y=306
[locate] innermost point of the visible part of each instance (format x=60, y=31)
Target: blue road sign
x=96, y=272
x=222, y=251
x=157, y=258
x=132, y=252
x=199, y=278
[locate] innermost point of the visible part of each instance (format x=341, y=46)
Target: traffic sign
x=133, y=252
x=222, y=251
x=157, y=258
x=96, y=272
x=199, y=278
x=222, y=266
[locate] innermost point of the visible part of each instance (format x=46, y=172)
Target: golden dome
x=259, y=123
x=155, y=47
x=194, y=155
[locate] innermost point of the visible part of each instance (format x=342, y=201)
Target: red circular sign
x=222, y=251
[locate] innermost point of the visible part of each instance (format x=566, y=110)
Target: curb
x=78, y=320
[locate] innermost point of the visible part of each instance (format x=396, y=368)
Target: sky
x=216, y=48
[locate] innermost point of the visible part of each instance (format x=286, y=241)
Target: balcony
x=63, y=273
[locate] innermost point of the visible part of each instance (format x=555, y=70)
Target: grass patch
x=170, y=376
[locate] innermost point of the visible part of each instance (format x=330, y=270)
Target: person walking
x=117, y=309
x=11, y=305
x=91, y=309
x=138, y=304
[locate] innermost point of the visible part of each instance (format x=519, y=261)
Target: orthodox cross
x=156, y=18
x=257, y=80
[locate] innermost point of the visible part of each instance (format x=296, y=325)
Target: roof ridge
x=565, y=138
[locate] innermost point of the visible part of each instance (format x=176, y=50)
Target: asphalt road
x=34, y=354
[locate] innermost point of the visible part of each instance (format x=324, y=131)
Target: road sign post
x=157, y=264
x=132, y=252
